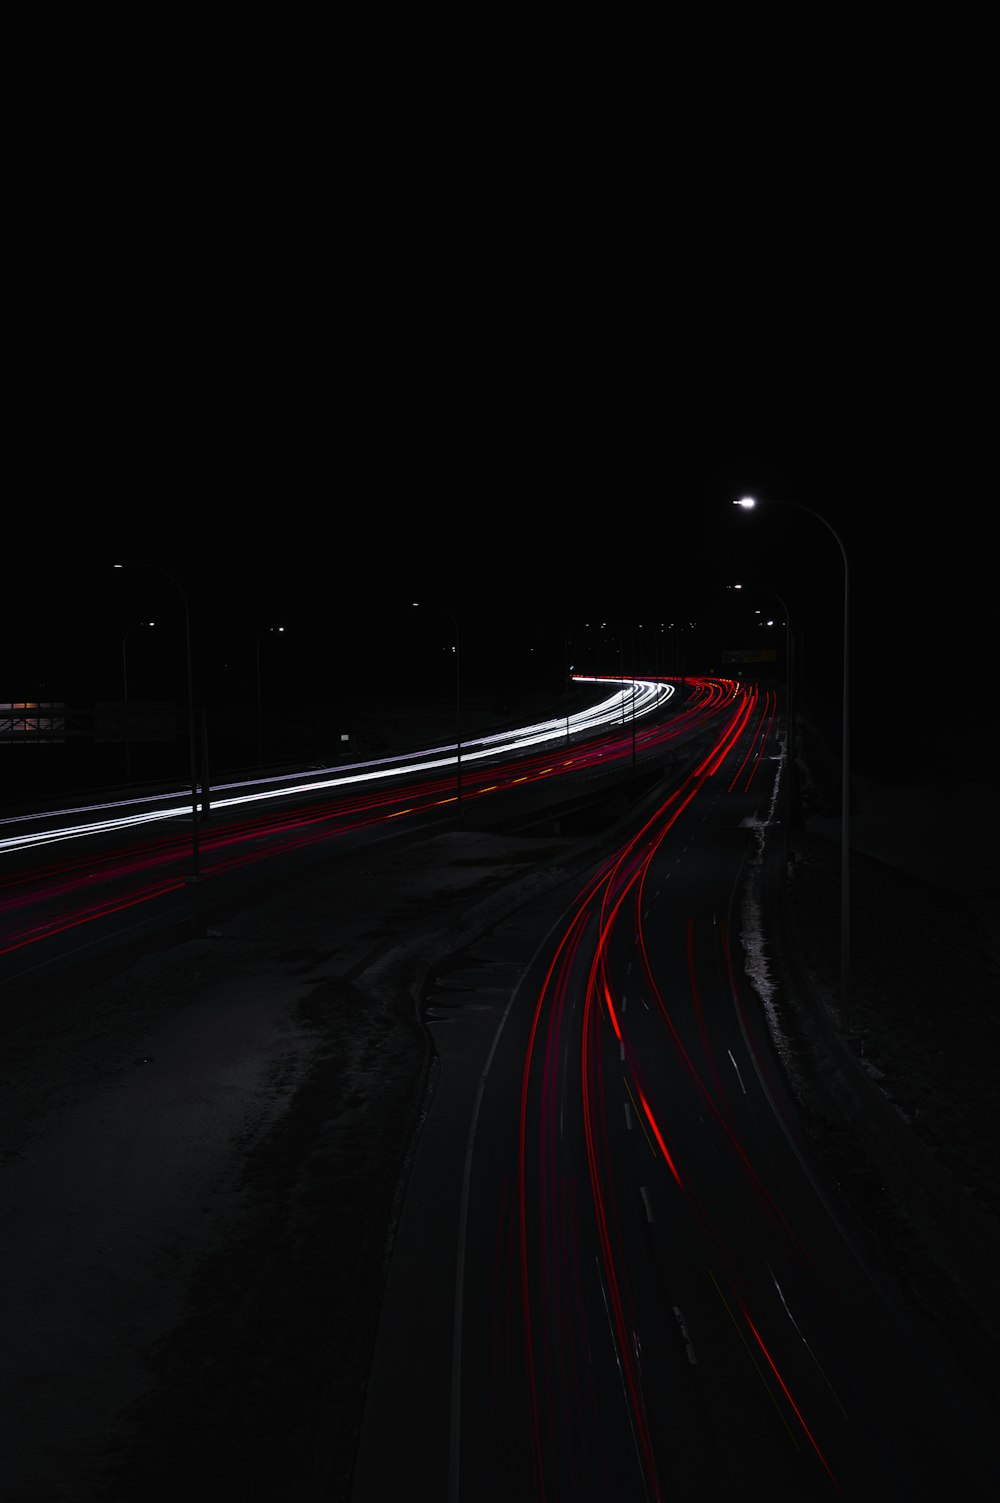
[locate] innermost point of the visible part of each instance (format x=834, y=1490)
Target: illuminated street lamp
x=128, y=744
x=677, y=654
x=195, y=877
x=260, y=719
x=788, y=698
x=668, y=670
x=458, y=713
x=621, y=670
x=748, y=502
x=788, y=646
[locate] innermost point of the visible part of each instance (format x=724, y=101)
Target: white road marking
x=791, y=1317
x=688, y=1345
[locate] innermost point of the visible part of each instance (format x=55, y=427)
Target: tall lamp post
x=747, y=502
x=668, y=669
x=128, y=745
x=260, y=717
x=621, y=669
x=458, y=714
x=195, y=876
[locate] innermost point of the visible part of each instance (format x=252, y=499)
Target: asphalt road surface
x=629, y=1278
x=616, y=1266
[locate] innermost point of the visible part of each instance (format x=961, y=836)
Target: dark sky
x=520, y=362
x=528, y=504
x=620, y=508
x=314, y=405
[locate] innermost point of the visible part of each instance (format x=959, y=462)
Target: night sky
x=530, y=426
x=317, y=360
x=565, y=530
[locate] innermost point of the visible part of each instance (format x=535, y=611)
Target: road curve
x=619, y=1272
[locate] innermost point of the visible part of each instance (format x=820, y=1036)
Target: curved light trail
x=127, y=859
x=675, y=1308
x=648, y=695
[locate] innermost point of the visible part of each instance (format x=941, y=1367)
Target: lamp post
x=634, y=657
x=668, y=657
x=128, y=746
x=195, y=876
x=260, y=718
x=748, y=502
x=677, y=654
x=788, y=648
x=621, y=670
x=458, y=714
x=788, y=698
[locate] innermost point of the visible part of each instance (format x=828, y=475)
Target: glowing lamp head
x=747, y=502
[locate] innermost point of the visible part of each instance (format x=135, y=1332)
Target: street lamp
x=747, y=502
x=621, y=669
x=668, y=669
x=788, y=698
x=128, y=745
x=678, y=664
x=260, y=719
x=632, y=665
x=195, y=876
x=458, y=713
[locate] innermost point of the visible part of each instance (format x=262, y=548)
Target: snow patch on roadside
x=752, y=935
x=756, y=968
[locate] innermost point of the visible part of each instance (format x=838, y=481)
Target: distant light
x=746, y=502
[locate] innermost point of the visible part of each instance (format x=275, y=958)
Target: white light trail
x=635, y=698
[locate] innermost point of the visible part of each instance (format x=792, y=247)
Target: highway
x=651, y=1288
x=618, y=1271
x=86, y=878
